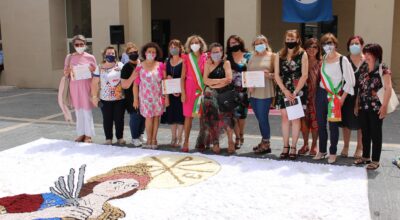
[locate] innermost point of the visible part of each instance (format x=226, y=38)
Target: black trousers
x=371, y=128
x=113, y=112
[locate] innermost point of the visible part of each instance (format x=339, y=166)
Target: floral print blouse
x=369, y=85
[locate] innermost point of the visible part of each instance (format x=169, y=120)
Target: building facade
x=35, y=34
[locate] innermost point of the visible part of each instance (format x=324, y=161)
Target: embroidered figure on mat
x=81, y=201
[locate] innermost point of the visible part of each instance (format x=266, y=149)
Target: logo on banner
x=306, y=1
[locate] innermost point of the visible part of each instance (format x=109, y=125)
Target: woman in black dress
x=174, y=112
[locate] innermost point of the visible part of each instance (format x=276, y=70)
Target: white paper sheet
x=251, y=79
x=81, y=72
x=294, y=111
x=171, y=86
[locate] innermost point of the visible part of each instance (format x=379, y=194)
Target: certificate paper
x=295, y=110
x=81, y=72
x=251, y=79
x=171, y=86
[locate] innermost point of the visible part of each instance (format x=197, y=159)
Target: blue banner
x=302, y=11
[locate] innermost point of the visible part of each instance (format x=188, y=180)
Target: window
x=79, y=21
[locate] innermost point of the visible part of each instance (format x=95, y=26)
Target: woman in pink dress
x=147, y=91
x=192, y=82
x=80, y=89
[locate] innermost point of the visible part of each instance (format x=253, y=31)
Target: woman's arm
x=135, y=96
x=95, y=91
x=183, y=79
x=166, y=96
x=304, y=74
x=126, y=83
x=387, y=81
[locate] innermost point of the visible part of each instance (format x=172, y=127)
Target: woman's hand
x=92, y=68
x=356, y=110
x=268, y=74
x=67, y=71
x=183, y=97
x=95, y=101
x=136, y=103
x=251, y=90
x=290, y=97
x=382, y=112
x=167, y=102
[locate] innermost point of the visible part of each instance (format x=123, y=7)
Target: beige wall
x=374, y=21
x=139, y=21
x=190, y=17
x=243, y=18
x=344, y=9
x=29, y=45
x=395, y=46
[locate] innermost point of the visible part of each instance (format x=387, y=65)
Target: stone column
x=139, y=23
x=243, y=18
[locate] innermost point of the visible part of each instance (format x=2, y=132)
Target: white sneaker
x=136, y=142
x=142, y=139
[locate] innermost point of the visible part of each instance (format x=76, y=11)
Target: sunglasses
x=79, y=45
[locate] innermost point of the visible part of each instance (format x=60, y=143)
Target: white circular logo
x=306, y=1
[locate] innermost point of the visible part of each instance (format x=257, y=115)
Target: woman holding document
x=108, y=75
x=174, y=112
x=80, y=88
x=192, y=82
x=337, y=80
x=291, y=72
x=261, y=97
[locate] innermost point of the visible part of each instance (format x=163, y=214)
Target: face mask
x=235, y=48
x=133, y=56
x=291, y=45
x=80, y=50
x=260, y=48
x=216, y=57
x=110, y=58
x=174, y=51
x=150, y=56
x=195, y=47
x=355, y=49
x=328, y=48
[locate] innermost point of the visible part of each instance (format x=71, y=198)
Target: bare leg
x=149, y=129
x=296, y=126
x=314, y=135
x=285, y=129
x=359, y=149
x=188, y=127
x=242, y=125
x=180, y=132
x=346, y=140
x=231, y=146
x=156, y=122
x=173, y=134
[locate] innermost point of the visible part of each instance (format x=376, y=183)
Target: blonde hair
x=128, y=48
x=284, y=51
x=329, y=36
x=262, y=38
x=203, y=45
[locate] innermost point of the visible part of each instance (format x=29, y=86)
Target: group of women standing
x=344, y=87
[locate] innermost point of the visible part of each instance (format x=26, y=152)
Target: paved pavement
x=29, y=114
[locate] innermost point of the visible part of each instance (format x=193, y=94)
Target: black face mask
x=133, y=56
x=291, y=45
x=235, y=48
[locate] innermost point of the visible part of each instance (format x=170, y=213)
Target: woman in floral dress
x=147, y=91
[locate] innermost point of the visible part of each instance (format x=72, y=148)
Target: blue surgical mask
x=174, y=51
x=110, y=58
x=355, y=49
x=260, y=48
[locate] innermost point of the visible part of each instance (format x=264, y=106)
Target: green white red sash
x=334, y=106
x=199, y=81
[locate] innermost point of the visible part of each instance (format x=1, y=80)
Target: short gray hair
x=78, y=37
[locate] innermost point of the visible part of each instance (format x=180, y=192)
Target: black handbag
x=228, y=100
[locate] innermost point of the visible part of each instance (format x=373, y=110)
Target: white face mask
x=329, y=48
x=195, y=47
x=80, y=50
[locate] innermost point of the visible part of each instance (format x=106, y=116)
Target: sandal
x=320, y=156
x=88, y=139
x=292, y=156
x=80, y=138
x=283, y=154
x=237, y=143
x=313, y=151
x=173, y=142
x=373, y=165
x=241, y=140
x=231, y=148
x=361, y=161
x=153, y=144
x=216, y=149
x=263, y=148
x=357, y=154
x=303, y=150
x=345, y=152
x=185, y=147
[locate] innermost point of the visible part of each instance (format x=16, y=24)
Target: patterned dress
x=150, y=93
x=237, y=69
x=290, y=73
x=312, y=83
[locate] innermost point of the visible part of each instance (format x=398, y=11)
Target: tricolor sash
x=334, y=107
x=198, y=76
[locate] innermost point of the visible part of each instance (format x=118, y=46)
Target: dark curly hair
x=159, y=53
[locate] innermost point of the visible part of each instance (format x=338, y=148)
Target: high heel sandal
x=153, y=144
x=320, y=156
x=80, y=138
x=303, y=150
x=345, y=152
x=241, y=140
x=357, y=154
x=231, y=148
x=185, y=147
x=361, y=161
x=216, y=149
x=237, y=143
x=292, y=156
x=173, y=142
x=263, y=148
x=373, y=165
x=284, y=155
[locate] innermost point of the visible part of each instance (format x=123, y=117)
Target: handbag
x=228, y=100
x=393, y=101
